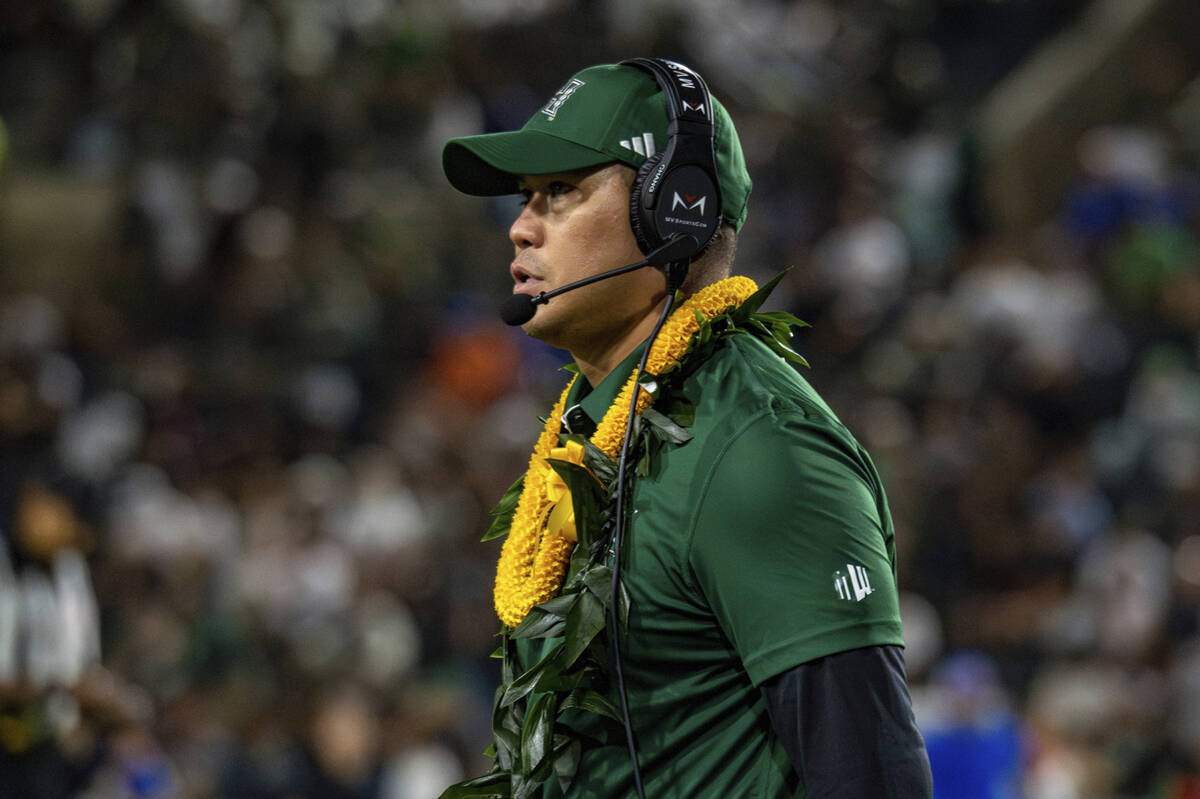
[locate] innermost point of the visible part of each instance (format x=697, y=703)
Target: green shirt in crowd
x=761, y=543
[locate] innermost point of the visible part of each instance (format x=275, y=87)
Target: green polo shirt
x=761, y=543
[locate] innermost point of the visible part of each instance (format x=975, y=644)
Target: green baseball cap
x=605, y=113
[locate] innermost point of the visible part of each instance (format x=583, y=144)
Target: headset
x=676, y=191
x=675, y=195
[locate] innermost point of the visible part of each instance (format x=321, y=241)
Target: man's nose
x=526, y=229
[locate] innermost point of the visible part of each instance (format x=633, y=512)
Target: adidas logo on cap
x=642, y=145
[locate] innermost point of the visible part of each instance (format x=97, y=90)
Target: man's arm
x=847, y=724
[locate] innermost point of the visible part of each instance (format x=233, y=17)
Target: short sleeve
x=792, y=544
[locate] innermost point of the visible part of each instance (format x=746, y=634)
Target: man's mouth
x=524, y=281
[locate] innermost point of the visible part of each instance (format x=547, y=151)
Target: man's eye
x=556, y=188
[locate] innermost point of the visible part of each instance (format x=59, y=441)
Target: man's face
x=573, y=225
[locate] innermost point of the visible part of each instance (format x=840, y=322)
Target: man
x=761, y=655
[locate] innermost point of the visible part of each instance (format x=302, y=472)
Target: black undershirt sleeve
x=847, y=724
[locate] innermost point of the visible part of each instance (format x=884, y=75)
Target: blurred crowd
x=255, y=399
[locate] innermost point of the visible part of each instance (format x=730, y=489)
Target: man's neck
x=598, y=364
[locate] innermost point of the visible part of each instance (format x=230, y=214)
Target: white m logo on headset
x=689, y=203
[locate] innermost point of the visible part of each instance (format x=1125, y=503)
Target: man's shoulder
x=744, y=376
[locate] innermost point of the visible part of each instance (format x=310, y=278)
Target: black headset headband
x=676, y=191
x=687, y=94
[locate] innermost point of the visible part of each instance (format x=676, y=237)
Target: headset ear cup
x=640, y=220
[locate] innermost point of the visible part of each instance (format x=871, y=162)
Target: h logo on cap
x=560, y=97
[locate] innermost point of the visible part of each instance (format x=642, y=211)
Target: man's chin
x=536, y=327
x=545, y=327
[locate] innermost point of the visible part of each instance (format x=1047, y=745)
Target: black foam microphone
x=520, y=308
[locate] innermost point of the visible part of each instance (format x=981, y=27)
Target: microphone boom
x=518, y=309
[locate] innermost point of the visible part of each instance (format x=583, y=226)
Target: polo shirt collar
x=586, y=406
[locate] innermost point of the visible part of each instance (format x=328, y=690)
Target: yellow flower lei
x=533, y=560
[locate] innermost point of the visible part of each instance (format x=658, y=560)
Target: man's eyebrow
x=567, y=175
x=524, y=185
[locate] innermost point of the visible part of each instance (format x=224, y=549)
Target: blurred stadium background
x=255, y=400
